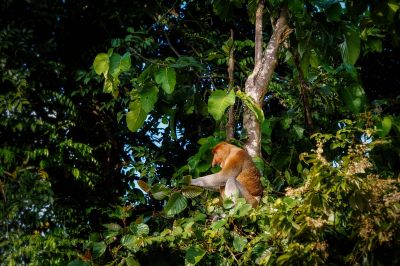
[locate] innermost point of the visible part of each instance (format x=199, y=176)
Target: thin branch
x=170, y=44
x=304, y=92
x=230, y=125
x=258, y=34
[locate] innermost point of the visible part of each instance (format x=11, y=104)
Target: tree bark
x=257, y=83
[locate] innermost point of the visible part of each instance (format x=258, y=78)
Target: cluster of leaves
x=345, y=211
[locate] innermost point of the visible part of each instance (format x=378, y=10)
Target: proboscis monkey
x=238, y=176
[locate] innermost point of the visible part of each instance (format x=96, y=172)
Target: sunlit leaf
x=218, y=224
x=218, y=102
x=75, y=172
x=136, y=116
x=125, y=62
x=101, y=64
x=166, y=77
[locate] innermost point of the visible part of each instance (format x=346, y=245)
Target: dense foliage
x=108, y=108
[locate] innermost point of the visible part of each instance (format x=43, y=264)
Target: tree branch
x=258, y=34
x=257, y=83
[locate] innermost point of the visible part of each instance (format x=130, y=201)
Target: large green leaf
x=160, y=191
x=148, y=97
x=139, y=229
x=350, y=48
x=239, y=243
x=125, y=63
x=194, y=254
x=192, y=191
x=115, y=69
x=130, y=261
x=354, y=97
x=384, y=126
x=218, y=102
x=101, y=64
x=99, y=248
x=136, y=116
x=166, y=77
x=175, y=204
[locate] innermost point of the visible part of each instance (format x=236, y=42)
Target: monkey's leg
x=234, y=189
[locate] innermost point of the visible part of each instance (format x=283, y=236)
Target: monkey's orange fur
x=237, y=166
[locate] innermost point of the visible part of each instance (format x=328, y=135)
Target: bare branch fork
x=264, y=65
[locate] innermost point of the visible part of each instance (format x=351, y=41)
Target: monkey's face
x=221, y=152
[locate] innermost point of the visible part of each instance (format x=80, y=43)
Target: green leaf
x=218, y=224
x=228, y=203
x=249, y=102
x=176, y=204
x=125, y=63
x=128, y=241
x=130, y=261
x=218, y=102
x=385, y=126
x=194, y=254
x=354, y=98
x=75, y=172
x=191, y=191
x=99, y=248
x=101, y=64
x=148, y=97
x=166, y=77
x=113, y=227
x=299, y=131
x=136, y=116
x=350, y=48
x=160, y=191
x=244, y=210
x=108, y=86
x=139, y=229
x=239, y=243
x=115, y=69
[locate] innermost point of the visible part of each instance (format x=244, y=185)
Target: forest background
x=108, y=108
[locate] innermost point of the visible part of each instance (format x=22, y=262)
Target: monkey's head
x=220, y=152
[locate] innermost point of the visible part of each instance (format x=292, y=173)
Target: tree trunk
x=257, y=83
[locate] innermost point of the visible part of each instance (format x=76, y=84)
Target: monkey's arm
x=212, y=182
x=231, y=168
